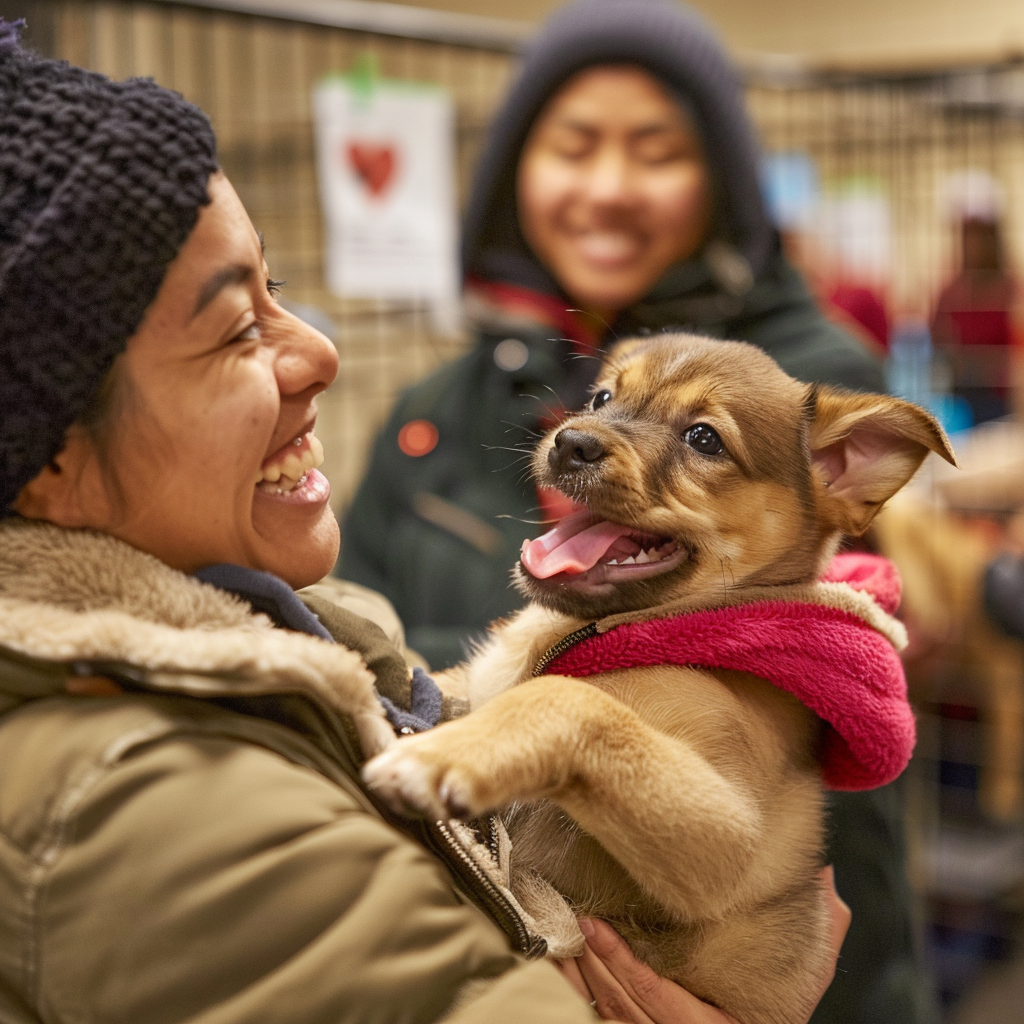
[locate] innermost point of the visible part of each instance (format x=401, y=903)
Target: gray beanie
x=100, y=184
x=674, y=43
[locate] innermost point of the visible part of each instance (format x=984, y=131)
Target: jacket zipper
x=443, y=841
x=577, y=636
x=439, y=838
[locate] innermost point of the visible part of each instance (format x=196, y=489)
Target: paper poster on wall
x=386, y=165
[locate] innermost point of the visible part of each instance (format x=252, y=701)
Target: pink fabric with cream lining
x=833, y=661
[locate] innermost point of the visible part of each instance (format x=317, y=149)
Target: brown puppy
x=682, y=805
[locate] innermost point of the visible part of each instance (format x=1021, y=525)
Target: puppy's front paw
x=415, y=779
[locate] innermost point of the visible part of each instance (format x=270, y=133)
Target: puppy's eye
x=704, y=439
x=599, y=399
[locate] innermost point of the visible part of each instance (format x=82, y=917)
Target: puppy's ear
x=864, y=448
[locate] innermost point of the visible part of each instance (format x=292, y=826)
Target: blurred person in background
x=185, y=834
x=618, y=194
x=972, y=323
x=854, y=300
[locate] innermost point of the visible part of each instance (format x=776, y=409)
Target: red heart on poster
x=375, y=164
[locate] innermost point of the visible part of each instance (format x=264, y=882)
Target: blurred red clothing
x=866, y=307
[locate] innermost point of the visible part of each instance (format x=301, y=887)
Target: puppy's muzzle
x=574, y=450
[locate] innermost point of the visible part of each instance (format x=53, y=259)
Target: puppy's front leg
x=638, y=791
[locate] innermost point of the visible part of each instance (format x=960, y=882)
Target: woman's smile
x=606, y=249
x=288, y=468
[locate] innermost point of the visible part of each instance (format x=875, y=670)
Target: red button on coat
x=417, y=437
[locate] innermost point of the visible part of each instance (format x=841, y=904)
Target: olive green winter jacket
x=183, y=837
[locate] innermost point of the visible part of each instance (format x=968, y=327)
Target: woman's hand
x=623, y=989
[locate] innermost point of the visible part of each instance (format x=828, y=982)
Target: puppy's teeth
x=614, y=561
x=628, y=561
x=643, y=558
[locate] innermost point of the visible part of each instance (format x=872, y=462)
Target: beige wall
x=831, y=31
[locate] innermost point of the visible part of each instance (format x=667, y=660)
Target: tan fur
x=684, y=806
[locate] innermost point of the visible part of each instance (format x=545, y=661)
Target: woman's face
x=612, y=186
x=214, y=421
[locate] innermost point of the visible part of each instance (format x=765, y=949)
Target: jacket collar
x=76, y=602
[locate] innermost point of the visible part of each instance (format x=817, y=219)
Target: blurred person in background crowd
x=185, y=835
x=618, y=194
x=973, y=319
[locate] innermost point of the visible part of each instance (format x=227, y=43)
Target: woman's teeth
x=289, y=472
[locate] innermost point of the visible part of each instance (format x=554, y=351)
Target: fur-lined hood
x=85, y=603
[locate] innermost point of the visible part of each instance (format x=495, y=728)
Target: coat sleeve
x=203, y=880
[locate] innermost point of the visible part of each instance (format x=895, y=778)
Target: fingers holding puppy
x=623, y=989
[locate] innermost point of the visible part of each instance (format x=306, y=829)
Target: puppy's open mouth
x=585, y=550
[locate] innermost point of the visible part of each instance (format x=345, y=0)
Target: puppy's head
x=699, y=466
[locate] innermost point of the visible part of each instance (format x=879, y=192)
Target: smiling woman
x=213, y=452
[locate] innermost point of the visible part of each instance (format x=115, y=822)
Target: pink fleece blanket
x=845, y=671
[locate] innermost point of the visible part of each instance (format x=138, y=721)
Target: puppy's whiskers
x=521, y=426
x=600, y=319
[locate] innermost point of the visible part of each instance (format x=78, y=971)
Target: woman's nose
x=305, y=359
x=609, y=178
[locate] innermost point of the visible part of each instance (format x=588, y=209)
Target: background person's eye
x=599, y=399
x=704, y=439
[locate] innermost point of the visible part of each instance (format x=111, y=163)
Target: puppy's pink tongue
x=571, y=546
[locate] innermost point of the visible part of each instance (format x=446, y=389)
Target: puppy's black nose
x=574, y=450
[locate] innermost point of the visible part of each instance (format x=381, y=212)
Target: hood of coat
x=79, y=603
x=674, y=44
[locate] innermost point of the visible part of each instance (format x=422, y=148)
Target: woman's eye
x=704, y=439
x=599, y=399
x=274, y=287
x=251, y=333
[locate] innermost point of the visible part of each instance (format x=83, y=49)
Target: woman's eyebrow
x=573, y=123
x=237, y=273
x=656, y=128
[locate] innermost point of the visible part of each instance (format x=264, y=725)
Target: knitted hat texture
x=675, y=44
x=100, y=184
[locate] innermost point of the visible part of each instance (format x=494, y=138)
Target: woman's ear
x=69, y=490
x=864, y=448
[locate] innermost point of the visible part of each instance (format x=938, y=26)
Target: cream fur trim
x=75, y=595
x=840, y=596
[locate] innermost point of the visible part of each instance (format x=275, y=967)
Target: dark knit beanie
x=675, y=44
x=100, y=184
